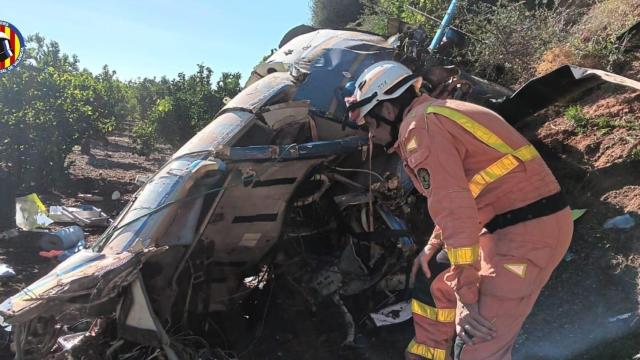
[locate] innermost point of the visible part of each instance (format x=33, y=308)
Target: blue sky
x=161, y=37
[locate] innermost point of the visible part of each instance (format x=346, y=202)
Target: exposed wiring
x=262, y=322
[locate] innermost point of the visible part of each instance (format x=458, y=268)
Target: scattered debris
x=141, y=179
x=395, y=282
x=90, y=197
x=31, y=213
x=569, y=256
x=621, y=317
x=577, y=213
x=63, y=239
x=8, y=234
x=67, y=253
x=116, y=195
x=620, y=222
x=51, y=253
x=67, y=342
x=6, y=271
x=83, y=215
x=393, y=314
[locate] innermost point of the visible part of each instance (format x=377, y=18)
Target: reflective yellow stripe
x=430, y=312
x=426, y=351
x=482, y=133
x=498, y=168
x=464, y=255
x=526, y=153
x=492, y=173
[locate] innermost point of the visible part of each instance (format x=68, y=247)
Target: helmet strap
x=394, y=126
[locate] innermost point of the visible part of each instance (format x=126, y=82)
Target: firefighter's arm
x=435, y=241
x=453, y=208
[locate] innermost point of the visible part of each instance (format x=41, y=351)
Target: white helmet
x=381, y=81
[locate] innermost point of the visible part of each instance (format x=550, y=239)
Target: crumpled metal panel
x=238, y=115
x=229, y=232
x=83, y=272
x=330, y=69
x=557, y=85
x=171, y=183
x=268, y=90
x=303, y=50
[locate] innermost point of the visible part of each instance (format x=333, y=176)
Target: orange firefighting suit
x=472, y=166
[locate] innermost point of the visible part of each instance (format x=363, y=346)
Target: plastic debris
x=621, y=317
x=6, y=271
x=67, y=253
x=577, y=213
x=31, y=213
x=63, y=239
x=83, y=215
x=90, y=197
x=141, y=179
x=620, y=222
x=116, y=195
x=8, y=234
x=51, y=253
x=569, y=256
x=394, y=282
x=393, y=314
x=67, y=342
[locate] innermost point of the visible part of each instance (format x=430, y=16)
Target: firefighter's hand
x=422, y=261
x=471, y=327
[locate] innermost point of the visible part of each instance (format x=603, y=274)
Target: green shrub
x=172, y=111
x=48, y=106
x=510, y=39
x=577, y=117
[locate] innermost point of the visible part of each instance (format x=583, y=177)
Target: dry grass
x=608, y=19
x=592, y=42
x=553, y=58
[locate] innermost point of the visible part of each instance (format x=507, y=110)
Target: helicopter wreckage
x=275, y=187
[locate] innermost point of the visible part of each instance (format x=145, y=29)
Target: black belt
x=544, y=207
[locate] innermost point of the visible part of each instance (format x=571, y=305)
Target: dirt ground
x=111, y=167
x=575, y=315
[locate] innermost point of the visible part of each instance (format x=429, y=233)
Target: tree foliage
x=377, y=12
x=172, y=111
x=334, y=14
x=48, y=106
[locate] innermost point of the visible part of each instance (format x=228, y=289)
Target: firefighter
x=500, y=217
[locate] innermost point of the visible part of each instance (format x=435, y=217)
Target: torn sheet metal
x=285, y=114
x=302, y=50
x=548, y=89
x=629, y=39
x=86, y=273
x=83, y=215
x=393, y=314
x=138, y=226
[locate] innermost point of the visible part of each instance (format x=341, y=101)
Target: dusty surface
x=576, y=315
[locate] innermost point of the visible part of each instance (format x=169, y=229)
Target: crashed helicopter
x=276, y=184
